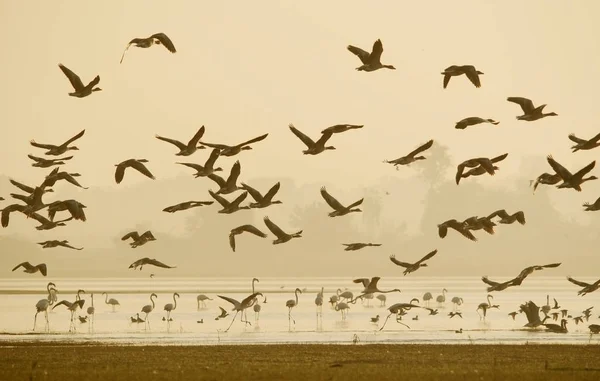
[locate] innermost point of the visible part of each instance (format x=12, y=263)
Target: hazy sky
x=247, y=68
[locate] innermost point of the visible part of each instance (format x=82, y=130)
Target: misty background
x=245, y=69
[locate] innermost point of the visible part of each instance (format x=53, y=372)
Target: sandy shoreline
x=54, y=361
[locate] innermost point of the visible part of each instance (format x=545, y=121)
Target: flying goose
x=583, y=144
x=155, y=39
x=411, y=157
x=587, y=287
x=229, y=186
x=314, y=148
x=456, y=70
x=46, y=163
x=477, y=171
x=230, y=207
x=518, y=280
x=262, y=201
x=8, y=210
x=74, y=207
x=473, y=121
x=371, y=61
x=486, y=163
x=137, y=239
x=458, y=226
x=592, y=207
x=282, y=237
x=55, y=176
x=147, y=261
x=226, y=150
x=546, y=179
x=30, y=269
x=46, y=224
x=208, y=167
x=81, y=91
x=506, y=218
x=479, y=223
x=137, y=164
x=60, y=149
x=339, y=128
x=186, y=205
x=56, y=243
x=241, y=229
x=571, y=180
x=339, y=209
x=358, y=245
x=185, y=149
x=411, y=267
x=530, y=113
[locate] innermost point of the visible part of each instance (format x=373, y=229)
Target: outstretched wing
x=159, y=264
x=73, y=78
x=232, y=241
x=25, y=265
x=559, y=169
x=489, y=282
x=551, y=265
x=235, y=303
x=214, y=155
x=73, y=138
x=375, y=55
x=422, y=148
x=21, y=186
x=499, y=158
x=577, y=282
x=305, y=139
x=142, y=169
x=253, y=192
x=361, y=54
x=196, y=138
x=428, y=256
x=399, y=263
x=177, y=143
x=254, y=140
x=526, y=104
x=39, y=145
x=133, y=235
x=584, y=170
x=274, y=228
x=254, y=230
x=578, y=140
x=273, y=191
x=217, y=179
x=234, y=173
x=166, y=41
x=498, y=213
x=331, y=201
x=221, y=200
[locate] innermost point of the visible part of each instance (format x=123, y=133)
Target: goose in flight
x=592, y=207
x=185, y=149
x=339, y=209
x=371, y=61
x=339, y=128
x=31, y=269
x=208, y=167
x=358, y=245
x=229, y=186
x=74, y=207
x=313, y=148
x=458, y=226
x=479, y=223
x=411, y=267
x=230, y=207
x=473, y=121
x=137, y=164
x=282, y=237
x=411, y=157
x=46, y=224
x=530, y=113
x=186, y=205
x=155, y=39
x=587, y=287
x=546, y=179
x=226, y=150
x=56, y=243
x=147, y=261
x=506, y=218
x=582, y=144
x=468, y=70
x=477, y=171
x=262, y=201
x=60, y=149
x=46, y=163
x=532, y=312
x=486, y=163
x=81, y=91
x=572, y=180
x=5, y=218
x=55, y=176
x=241, y=229
x=137, y=239
x=518, y=280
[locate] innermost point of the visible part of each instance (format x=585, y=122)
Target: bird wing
x=179, y=144
x=364, y=281
x=487, y=165
x=254, y=230
x=41, y=219
x=43, y=269
x=232, y=241
x=305, y=139
x=356, y=203
x=127, y=47
x=459, y=171
x=526, y=104
x=196, y=138
x=272, y=192
x=375, y=55
x=499, y=158
x=446, y=79
x=35, y=158
x=490, y=282
x=234, y=173
x=39, y=145
x=218, y=179
x=25, y=265
x=73, y=78
x=584, y=170
x=361, y=54
x=235, y=303
x=214, y=155
x=559, y=169
x=428, y=256
x=253, y=192
x=274, y=228
x=21, y=186
x=471, y=73
x=595, y=139
x=577, y=282
x=248, y=299
x=578, y=140
x=119, y=173
x=156, y=263
x=331, y=201
x=147, y=234
x=338, y=128
x=142, y=169
x=466, y=233
x=254, y=140
x=500, y=213
x=213, y=145
x=239, y=199
x=197, y=167
x=134, y=235
x=422, y=148
x=324, y=138
x=166, y=41
x=551, y=265
x=399, y=263
x=65, y=144
x=223, y=312
x=221, y=200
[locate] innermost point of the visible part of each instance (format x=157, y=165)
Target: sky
x=244, y=69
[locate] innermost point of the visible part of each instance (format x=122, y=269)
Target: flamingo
x=171, y=306
x=382, y=298
x=343, y=307
x=111, y=301
x=256, y=307
x=72, y=307
x=319, y=303
x=239, y=307
x=457, y=301
x=291, y=304
x=148, y=308
x=91, y=311
x=427, y=297
x=397, y=309
x=441, y=298
x=201, y=299
x=486, y=306
x=43, y=304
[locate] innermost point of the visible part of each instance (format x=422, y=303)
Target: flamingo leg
x=232, y=320
x=34, y=319
x=385, y=322
x=47, y=327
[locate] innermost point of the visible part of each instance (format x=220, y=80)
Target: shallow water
x=18, y=297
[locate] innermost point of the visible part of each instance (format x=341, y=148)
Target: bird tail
x=297, y=234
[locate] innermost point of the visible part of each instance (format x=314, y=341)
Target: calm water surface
x=19, y=296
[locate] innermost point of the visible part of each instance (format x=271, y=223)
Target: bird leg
x=34, y=319
x=242, y=318
x=232, y=320
x=385, y=322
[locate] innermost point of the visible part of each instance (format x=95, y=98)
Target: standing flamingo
x=485, y=307
x=92, y=312
x=171, y=307
x=457, y=301
x=382, y=298
x=42, y=306
x=426, y=298
x=291, y=304
x=441, y=299
x=255, y=305
x=343, y=307
x=148, y=308
x=319, y=304
x=111, y=301
x=202, y=299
